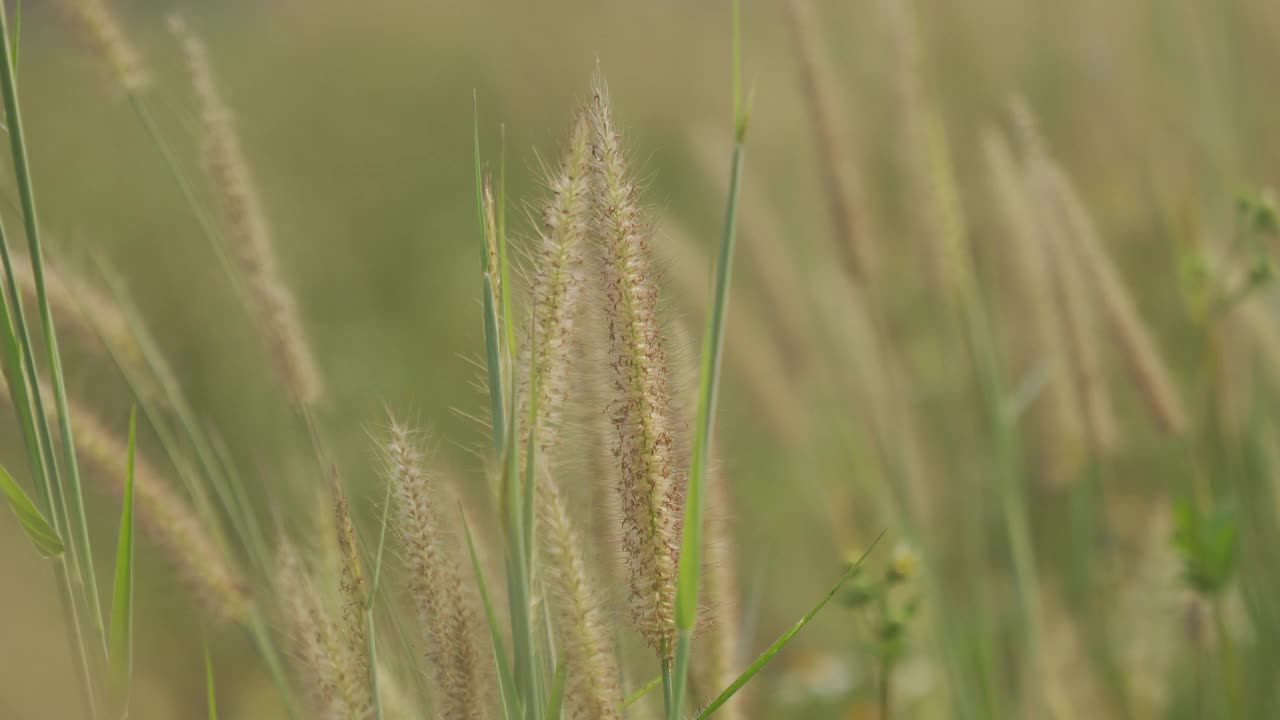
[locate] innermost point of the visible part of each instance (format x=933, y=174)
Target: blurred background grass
x=356, y=118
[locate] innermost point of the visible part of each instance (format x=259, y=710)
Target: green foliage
x=1208, y=543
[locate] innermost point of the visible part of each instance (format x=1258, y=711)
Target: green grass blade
x=635, y=697
x=122, y=595
x=33, y=522
x=555, y=703
x=690, y=566
x=211, y=696
x=785, y=638
x=17, y=32
x=27, y=198
x=506, y=684
x=503, y=261
x=493, y=353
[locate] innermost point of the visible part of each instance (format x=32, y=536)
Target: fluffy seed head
x=557, y=286
x=650, y=488
x=98, y=28
x=335, y=683
x=163, y=515
x=445, y=615
x=270, y=296
x=351, y=582
x=582, y=625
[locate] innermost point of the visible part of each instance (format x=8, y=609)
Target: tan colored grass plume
x=650, y=485
x=445, y=613
x=270, y=297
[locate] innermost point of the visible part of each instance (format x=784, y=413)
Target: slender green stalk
x=640, y=692
x=122, y=594
x=211, y=696
x=690, y=565
x=506, y=684
x=26, y=193
x=1230, y=659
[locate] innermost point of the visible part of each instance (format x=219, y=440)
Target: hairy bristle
x=272, y=299
x=435, y=587
x=650, y=488
x=98, y=28
x=335, y=684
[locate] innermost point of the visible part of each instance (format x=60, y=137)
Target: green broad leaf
x=42, y=534
x=506, y=684
x=122, y=594
x=786, y=637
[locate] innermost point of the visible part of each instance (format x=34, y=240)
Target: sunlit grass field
x=1002, y=318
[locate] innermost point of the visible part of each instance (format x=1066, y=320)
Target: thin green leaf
x=555, y=703
x=79, y=532
x=634, y=697
x=690, y=563
x=122, y=593
x=42, y=534
x=492, y=344
x=785, y=638
x=17, y=32
x=510, y=702
x=211, y=697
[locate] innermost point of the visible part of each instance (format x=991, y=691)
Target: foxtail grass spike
x=248, y=230
x=651, y=487
x=443, y=611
